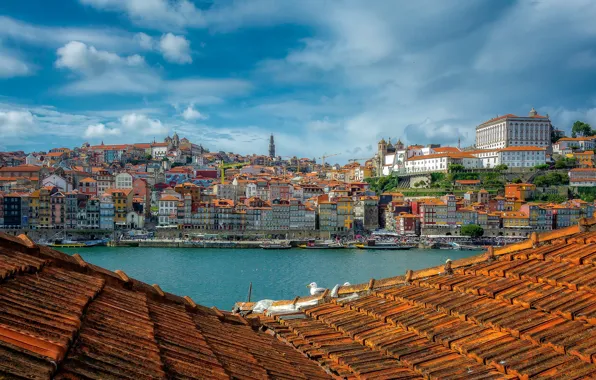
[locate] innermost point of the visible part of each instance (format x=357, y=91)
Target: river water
x=220, y=277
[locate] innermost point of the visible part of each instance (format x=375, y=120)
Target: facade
x=585, y=177
x=567, y=144
x=439, y=162
x=366, y=213
x=88, y=186
x=106, y=212
x=123, y=181
x=167, y=209
x=511, y=130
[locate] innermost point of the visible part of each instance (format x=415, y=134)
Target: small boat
x=327, y=244
x=275, y=246
x=68, y=245
x=373, y=244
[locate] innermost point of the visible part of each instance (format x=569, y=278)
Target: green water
x=220, y=277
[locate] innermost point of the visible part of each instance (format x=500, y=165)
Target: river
x=220, y=277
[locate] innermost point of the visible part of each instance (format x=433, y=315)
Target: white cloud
x=144, y=40
x=87, y=60
x=51, y=36
x=11, y=64
x=14, y=123
x=100, y=130
x=175, y=49
x=191, y=114
x=158, y=14
x=143, y=125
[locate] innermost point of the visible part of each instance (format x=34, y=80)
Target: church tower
x=271, y=147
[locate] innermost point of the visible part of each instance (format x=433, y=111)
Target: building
x=585, y=177
x=25, y=171
x=123, y=180
x=271, y=147
x=511, y=130
x=88, y=186
x=327, y=216
x=407, y=224
x=520, y=191
x=167, y=209
x=12, y=210
x=439, y=162
x=366, y=213
x=569, y=144
x=106, y=211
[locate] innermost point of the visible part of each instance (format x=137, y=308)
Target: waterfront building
x=407, y=224
x=345, y=213
x=366, y=213
x=280, y=190
x=540, y=216
x=106, y=211
x=167, y=209
x=565, y=215
x=515, y=219
x=122, y=199
x=58, y=210
x=281, y=214
x=511, y=130
x=327, y=212
x=12, y=210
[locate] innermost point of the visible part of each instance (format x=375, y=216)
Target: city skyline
x=228, y=74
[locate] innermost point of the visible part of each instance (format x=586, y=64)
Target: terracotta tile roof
x=63, y=318
x=521, y=311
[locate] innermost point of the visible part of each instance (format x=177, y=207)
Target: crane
x=223, y=167
x=323, y=157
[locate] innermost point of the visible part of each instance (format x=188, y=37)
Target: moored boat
x=275, y=246
x=328, y=244
x=376, y=245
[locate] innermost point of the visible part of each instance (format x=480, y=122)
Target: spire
x=271, y=147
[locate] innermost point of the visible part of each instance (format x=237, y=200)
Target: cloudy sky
x=325, y=76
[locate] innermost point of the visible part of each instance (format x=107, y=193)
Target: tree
x=517, y=180
x=472, y=230
x=456, y=168
x=560, y=163
x=501, y=167
x=541, y=167
x=556, y=135
x=148, y=157
x=580, y=128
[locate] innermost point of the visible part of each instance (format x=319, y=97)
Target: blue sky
x=324, y=76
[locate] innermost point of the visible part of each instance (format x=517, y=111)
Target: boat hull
x=276, y=246
x=386, y=248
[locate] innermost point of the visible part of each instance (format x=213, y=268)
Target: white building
x=123, y=181
x=584, y=177
x=59, y=182
x=439, y=162
x=224, y=191
x=167, y=209
x=512, y=130
x=513, y=156
x=159, y=150
x=567, y=144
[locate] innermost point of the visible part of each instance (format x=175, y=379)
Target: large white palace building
x=511, y=130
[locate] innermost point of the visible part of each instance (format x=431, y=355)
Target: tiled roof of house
x=521, y=311
x=63, y=318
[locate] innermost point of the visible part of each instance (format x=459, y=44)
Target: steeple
x=271, y=147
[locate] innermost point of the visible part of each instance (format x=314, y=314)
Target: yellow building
x=34, y=208
x=515, y=219
x=44, y=208
x=122, y=199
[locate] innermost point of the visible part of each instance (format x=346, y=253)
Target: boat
x=275, y=246
x=376, y=245
x=68, y=245
x=78, y=244
x=327, y=244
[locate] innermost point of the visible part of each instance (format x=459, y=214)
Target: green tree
x=541, y=167
x=456, y=168
x=148, y=157
x=561, y=163
x=517, y=180
x=472, y=230
x=556, y=135
x=580, y=128
x=501, y=167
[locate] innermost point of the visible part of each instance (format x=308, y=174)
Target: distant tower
x=533, y=112
x=271, y=147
